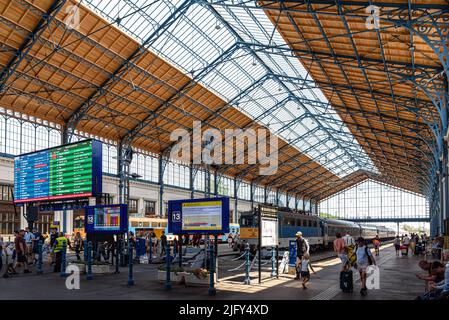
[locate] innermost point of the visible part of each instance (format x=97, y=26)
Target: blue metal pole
x=212, y=291
x=63, y=260
x=247, y=265
x=117, y=254
x=89, y=261
x=130, y=272
x=175, y=248
x=273, y=262
x=167, y=264
x=180, y=252
x=122, y=258
x=39, y=259
x=85, y=250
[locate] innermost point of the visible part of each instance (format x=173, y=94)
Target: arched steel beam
x=29, y=42
x=82, y=110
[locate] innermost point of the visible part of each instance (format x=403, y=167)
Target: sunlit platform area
x=397, y=281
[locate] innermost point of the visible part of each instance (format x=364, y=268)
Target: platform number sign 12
x=176, y=216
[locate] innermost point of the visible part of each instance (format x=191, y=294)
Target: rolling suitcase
x=346, y=281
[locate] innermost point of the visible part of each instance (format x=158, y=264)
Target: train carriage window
x=298, y=222
x=310, y=223
x=289, y=222
x=315, y=224
x=304, y=223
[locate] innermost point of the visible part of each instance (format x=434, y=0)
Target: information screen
x=69, y=171
x=204, y=216
x=106, y=218
x=201, y=215
x=269, y=232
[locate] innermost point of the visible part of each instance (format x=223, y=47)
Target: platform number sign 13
x=176, y=216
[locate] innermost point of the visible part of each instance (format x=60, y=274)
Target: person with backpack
x=349, y=248
x=302, y=247
x=364, y=259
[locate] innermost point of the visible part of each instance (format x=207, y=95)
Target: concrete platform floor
x=397, y=281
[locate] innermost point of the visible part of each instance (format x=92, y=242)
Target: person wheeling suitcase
x=346, y=280
x=346, y=275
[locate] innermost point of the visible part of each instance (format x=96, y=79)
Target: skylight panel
x=199, y=37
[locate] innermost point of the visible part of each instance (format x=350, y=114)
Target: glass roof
x=270, y=86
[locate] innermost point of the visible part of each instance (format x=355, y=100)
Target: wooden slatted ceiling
x=374, y=112
x=52, y=86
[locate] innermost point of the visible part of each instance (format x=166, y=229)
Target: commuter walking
x=58, y=246
x=230, y=240
x=376, y=243
x=306, y=266
x=53, y=236
x=397, y=245
x=350, y=247
x=412, y=244
x=21, y=251
x=340, y=249
x=154, y=242
x=302, y=247
x=348, y=239
x=78, y=245
x=163, y=243
x=406, y=243
x=101, y=251
x=29, y=237
x=37, y=236
x=364, y=259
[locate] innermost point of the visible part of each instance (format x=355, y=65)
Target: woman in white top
x=364, y=259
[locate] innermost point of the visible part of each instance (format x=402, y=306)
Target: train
x=320, y=232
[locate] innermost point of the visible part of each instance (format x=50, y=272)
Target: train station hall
x=224, y=158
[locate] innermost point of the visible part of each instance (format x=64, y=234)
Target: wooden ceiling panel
x=357, y=86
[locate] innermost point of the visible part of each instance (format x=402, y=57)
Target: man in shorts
x=302, y=247
x=340, y=249
x=21, y=251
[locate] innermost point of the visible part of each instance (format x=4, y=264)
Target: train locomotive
x=320, y=232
